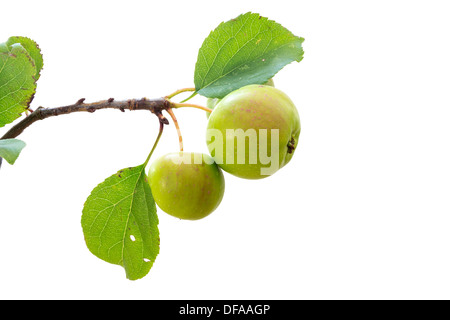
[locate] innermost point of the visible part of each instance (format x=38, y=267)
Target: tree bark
x=155, y=106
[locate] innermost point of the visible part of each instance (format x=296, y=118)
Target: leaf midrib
x=130, y=213
x=237, y=67
x=223, y=45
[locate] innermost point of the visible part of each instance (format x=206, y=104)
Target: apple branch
x=156, y=106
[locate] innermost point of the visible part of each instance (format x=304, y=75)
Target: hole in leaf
x=132, y=238
x=146, y=260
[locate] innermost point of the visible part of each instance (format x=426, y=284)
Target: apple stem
x=190, y=105
x=175, y=122
x=161, y=128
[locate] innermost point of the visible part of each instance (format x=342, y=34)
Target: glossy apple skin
x=255, y=107
x=212, y=102
x=187, y=191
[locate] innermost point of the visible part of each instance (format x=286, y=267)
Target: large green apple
x=186, y=185
x=212, y=102
x=253, y=131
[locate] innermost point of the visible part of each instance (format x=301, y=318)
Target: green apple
x=186, y=185
x=212, y=102
x=253, y=131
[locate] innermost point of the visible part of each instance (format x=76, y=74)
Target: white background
x=361, y=212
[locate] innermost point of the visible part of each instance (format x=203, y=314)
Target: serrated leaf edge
x=202, y=88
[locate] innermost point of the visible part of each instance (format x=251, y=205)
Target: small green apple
x=186, y=185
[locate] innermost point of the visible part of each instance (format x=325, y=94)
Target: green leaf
x=33, y=50
x=120, y=224
x=247, y=50
x=18, y=75
x=10, y=149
